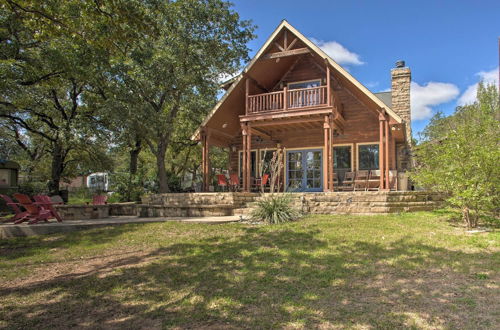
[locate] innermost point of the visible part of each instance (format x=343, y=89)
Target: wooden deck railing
x=295, y=98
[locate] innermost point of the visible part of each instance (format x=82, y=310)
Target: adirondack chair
x=35, y=212
x=234, y=181
x=261, y=182
x=99, y=200
x=19, y=214
x=47, y=205
x=348, y=182
x=222, y=181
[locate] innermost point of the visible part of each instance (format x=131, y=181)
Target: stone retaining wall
x=83, y=212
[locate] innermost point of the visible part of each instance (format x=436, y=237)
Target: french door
x=304, y=170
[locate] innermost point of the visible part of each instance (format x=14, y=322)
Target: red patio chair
x=222, y=181
x=18, y=214
x=100, y=200
x=261, y=182
x=35, y=212
x=234, y=181
x=46, y=203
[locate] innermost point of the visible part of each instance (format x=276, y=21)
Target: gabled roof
x=285, y=25
x=385, y=97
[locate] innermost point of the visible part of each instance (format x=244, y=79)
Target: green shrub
x=274, y=209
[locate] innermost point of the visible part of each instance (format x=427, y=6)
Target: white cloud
x=424, y=97
x=338, y=52
x=469, y=96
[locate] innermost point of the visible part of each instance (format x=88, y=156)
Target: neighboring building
x=293, y=96
x=98, y=181
x=9, y=174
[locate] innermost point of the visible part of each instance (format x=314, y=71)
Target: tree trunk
x=161, y=175
x=134, y=156
x=57, y=168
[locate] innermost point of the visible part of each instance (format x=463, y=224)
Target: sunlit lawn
x=411, y=270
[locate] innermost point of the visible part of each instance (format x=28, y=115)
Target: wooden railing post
x=328, y=90
x=285, y=98
x=247, y=91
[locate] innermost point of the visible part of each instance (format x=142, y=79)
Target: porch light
x=233, y=148
x=224, y=125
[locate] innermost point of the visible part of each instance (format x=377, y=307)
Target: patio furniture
x=18, y=213
x=35, y=212
x=47, y=205
x=335, y=181
x=100, y=200
x=361, y=180
x=234, y=182
x=261, y=182
x=348, y=182
x=222, y=182
x=374, y=180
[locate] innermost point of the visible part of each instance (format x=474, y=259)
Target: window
x=342, y=157
x=266, y=155
x=304, y=84
x=368, y=157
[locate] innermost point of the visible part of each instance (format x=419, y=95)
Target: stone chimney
x=401, y=78
x=400, y=90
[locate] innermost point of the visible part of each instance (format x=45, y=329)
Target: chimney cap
x=400, y=64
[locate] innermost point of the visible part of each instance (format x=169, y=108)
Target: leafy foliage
x=275, y=209
x=460, y=155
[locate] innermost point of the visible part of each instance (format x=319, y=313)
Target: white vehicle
x=98, y=181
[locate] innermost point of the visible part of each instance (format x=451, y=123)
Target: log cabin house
x=293, y=96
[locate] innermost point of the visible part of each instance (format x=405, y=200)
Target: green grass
x=415, y=270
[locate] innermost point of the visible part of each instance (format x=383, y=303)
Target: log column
x=249, y=159
x=326, y=128
x=330, y=154
x=386, y=150
x=381, y=158
x=205, y=160
x=244, y=154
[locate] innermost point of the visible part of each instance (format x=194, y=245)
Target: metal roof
x=385, y=97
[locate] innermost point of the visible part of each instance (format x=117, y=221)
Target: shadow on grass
x=20, y=247
x=262, y=279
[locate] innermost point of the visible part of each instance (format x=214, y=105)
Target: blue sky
x=449, y=45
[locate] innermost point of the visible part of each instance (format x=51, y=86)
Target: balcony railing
x=288, y=99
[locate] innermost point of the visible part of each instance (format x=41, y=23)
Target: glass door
x=304, y=170
x=342, y=157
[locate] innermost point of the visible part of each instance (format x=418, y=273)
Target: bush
x=275, y=209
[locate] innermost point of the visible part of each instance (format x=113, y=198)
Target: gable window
x=368, y=157
x=302, y=94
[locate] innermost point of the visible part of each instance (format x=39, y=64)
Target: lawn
x=411, y=270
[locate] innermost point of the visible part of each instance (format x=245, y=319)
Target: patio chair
x=234, y=182
x=348, y=182
x=35, y=212
x=393, y=179
x=374, y=180
x=336, y=182
x=361, y=180
x=47, y=205
x=222, y=182
x=261, y=182
x=100, y=200
x=18, y=213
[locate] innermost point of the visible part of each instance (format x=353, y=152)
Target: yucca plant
x=274, y=209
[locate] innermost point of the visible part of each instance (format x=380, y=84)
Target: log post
x=381, y=151
x=330, y=155
x=326, y=126
x=386, y=150
x=285, y=98
x=247, y=93
x=244, y=155
x=328, y=84
x=205, y=166
x=249, y=158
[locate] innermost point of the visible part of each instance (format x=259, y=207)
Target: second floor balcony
x=289, y=99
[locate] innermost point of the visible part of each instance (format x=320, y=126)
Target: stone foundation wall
x=361, y=202
x=120, y=209
x=83, y=212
